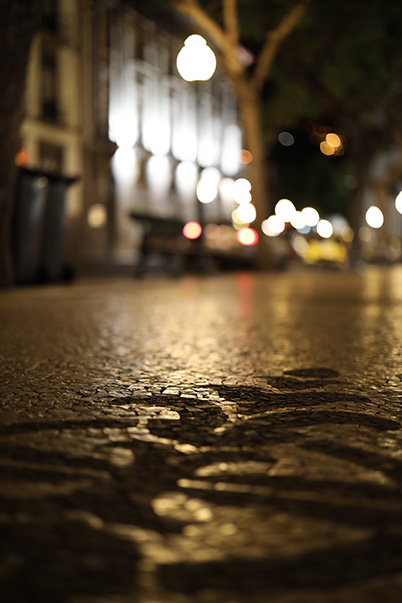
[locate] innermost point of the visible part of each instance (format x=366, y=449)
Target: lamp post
x=196, y=62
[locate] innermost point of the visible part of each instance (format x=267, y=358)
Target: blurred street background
x=180, y=135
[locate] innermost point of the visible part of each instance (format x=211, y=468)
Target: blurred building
x=105, y=104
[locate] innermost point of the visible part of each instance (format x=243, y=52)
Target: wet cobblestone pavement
x=227, y=439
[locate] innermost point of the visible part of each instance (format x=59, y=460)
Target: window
x=48, y=85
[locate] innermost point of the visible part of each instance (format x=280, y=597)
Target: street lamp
x=196, y=61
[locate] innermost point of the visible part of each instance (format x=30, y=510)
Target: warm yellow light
x=347, y=234
x=374, y=217
x=97, y=215
x=326, y=148
x=333, y=140
x=365, y=234
x=246, y=157
x=196, y=61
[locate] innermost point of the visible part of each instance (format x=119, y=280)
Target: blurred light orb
x=398, y=202
x=246, y=213
x=211, y=174
x=196, y=61
x=326, y=148
x=333, y=140
x=300, y=245
x=236, y=220
x=242, y=191
x=286, y=139
x=325, y=229
x=285, y=210
x=192, y=230
x=247, y=236
x=273, y=226
x=97, y=215
x=297, y=221
x=207, y=191
x=226, y=189
x=310, y=216
x=365, y=234
x=186, y=177
x=241, y=197
x=246, y=157
x=347, y=234
x=374, y=217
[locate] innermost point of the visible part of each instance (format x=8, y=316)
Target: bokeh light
x=207, y=187
x=310, y=216
x=247, y=236
x=196, y=60
x=325, y=229
x=297, y=221
x=333, y=140
x=374, y=217
x=300, y=245
x=97, y=215
x=398, y=202
x=365, y=234
x=246, y=213
x=347, y=234
x=246, y=157
x=285, y=210
x=242, y=191
x=192, y=230
x=286, y=139
x=226, y=189
x=273, y=226
x=326, y=148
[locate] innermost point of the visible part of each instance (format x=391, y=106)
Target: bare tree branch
x=274, y=39
x=231, y=21
x=197, y=14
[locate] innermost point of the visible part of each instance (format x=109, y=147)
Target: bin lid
x=52, y=176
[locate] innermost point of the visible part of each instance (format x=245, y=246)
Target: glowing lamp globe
x=196, y=61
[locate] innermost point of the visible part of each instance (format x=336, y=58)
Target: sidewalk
x=225, y=439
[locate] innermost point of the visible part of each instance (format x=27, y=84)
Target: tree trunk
x=17, y=25
x=250, y=113
x=355, y=216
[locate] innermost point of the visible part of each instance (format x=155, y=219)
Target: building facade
x=105, y=104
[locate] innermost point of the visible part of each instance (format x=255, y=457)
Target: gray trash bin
x=27, y=225
x=52, y=265
x=38, y=227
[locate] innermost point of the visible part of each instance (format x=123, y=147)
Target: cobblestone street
x=233, y=438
